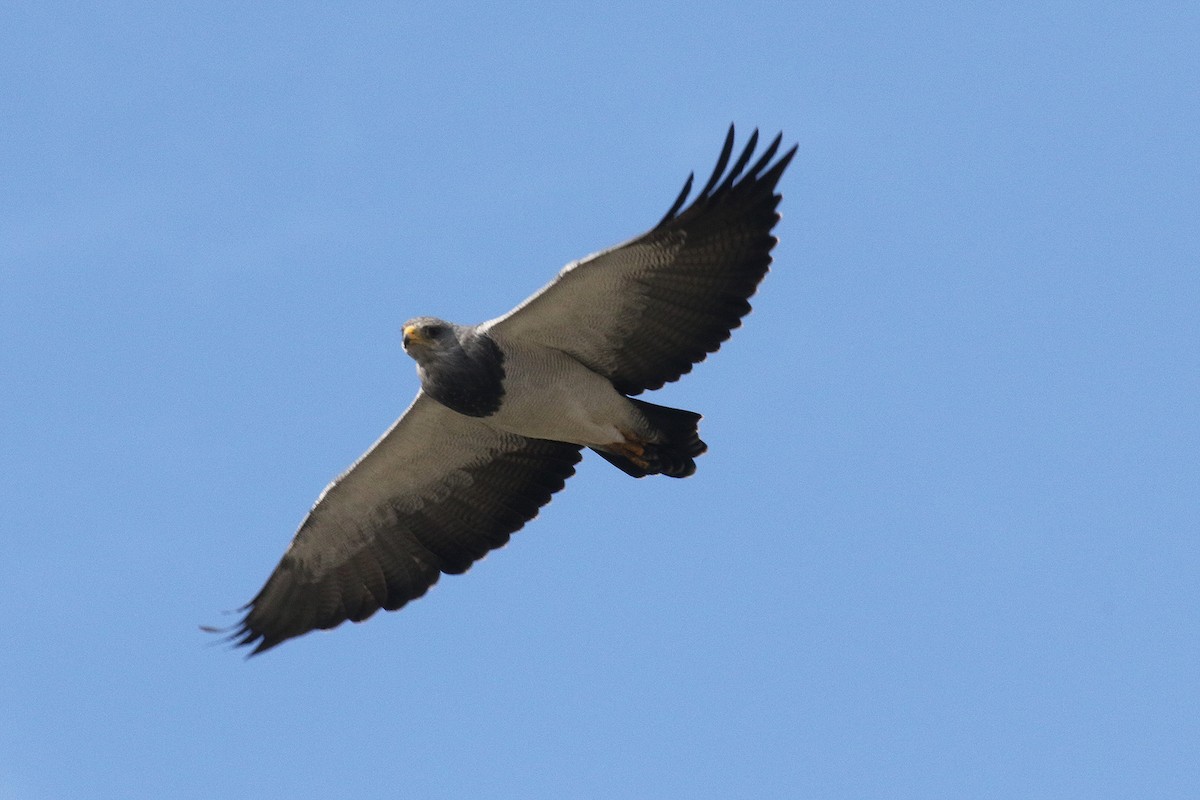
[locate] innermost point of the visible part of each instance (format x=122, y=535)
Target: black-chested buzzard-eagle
x=506, y=407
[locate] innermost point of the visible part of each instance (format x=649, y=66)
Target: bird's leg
x=632, y=448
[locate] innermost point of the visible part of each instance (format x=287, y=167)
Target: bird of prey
x=506, y=407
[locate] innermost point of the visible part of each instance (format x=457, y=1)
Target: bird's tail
x=671, y=448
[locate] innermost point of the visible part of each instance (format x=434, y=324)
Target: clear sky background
x=944, y=544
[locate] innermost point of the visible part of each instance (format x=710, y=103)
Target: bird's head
x=427, y=333
x=429, y=339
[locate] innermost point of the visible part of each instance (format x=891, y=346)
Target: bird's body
x=505, y=407
x=560, y=399
x=528, y=389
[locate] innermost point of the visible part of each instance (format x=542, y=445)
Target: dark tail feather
x=675, y=451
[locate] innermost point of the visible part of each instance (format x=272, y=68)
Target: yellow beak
x=412, y=334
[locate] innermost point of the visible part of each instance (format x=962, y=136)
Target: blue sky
x=944, y=543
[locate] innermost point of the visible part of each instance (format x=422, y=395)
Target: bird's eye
x=435, y=331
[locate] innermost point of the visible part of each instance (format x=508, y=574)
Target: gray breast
x=472, y=381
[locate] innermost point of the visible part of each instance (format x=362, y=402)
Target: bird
x=505, y=408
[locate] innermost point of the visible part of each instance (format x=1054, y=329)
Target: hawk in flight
x=505, y=408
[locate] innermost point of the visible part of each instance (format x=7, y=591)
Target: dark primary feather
x=434, y=495
x=644, y=312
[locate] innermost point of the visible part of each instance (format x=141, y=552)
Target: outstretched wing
x=642, y=313
x=434, y=494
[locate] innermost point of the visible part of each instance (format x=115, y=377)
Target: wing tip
x=764, y=174
x=240, y=635
x=679, y=201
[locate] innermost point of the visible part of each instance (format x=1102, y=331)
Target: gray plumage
x=506, y=407
x=460, y=367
